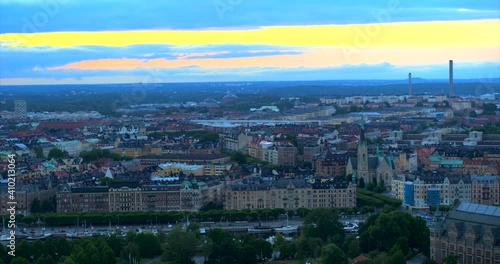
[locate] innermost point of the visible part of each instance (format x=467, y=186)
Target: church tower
x=362, y=170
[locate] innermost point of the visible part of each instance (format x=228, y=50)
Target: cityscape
x=249, y=132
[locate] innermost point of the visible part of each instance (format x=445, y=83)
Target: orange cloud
x=313, y=58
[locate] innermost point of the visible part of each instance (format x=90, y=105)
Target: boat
x=4, y=237
x=71, y=235
x=286, y=229
x=260, y=229
x=39, y=237
x=350, y=227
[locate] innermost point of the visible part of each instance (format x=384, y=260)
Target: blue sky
x=50, y=63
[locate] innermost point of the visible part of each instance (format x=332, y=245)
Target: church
x=370, y=168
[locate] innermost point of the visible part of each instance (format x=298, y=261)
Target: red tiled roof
x=28, y=133
x=61, y=125
x=358, y=259
x=61, y=174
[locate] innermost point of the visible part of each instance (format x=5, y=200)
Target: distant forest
x=107, y=98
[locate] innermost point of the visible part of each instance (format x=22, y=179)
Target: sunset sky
x=108, y=41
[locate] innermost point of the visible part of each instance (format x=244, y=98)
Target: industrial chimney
x=451, y=78
x=409, y=83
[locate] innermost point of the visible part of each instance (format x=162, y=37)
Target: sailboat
x=287, y=229
x=41, y=235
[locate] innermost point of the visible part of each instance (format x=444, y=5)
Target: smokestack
x=409, y=83
x=451, y=78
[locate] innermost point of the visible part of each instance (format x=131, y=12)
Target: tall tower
x=362, y=170
x=451, y=78
x=20, y=108
x=409, y=83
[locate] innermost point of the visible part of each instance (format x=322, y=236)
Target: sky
x=157, y=41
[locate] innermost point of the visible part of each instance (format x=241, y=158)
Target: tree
x=351, y=247
x=323, y=223
x=180, y=246
x=361, y=183
x=47, y=206
x=383, y=231
x=286, y=248
x=309, y=247
x=36, y=206
x=223, y=248
x=489, y=109
x=20, y=260
x=116, y=244
x=129, y=251
x=331, y=254
x=38, y=152
x=56, y=153
x=451, y=259
x=240, y=158
x=380, y=188
x=106, y=181
x=148, y=244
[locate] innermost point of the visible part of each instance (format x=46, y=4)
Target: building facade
x=190, y=195
x=331, y=164
x=469, y=231
x=291, y=194
x=485, y=189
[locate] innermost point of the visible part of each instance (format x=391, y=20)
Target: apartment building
x=189, y=195
x=291, y=194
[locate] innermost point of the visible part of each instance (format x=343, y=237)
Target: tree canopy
x=384, y=230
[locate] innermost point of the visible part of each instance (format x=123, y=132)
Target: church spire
x=362, y=134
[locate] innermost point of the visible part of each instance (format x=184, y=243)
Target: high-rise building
x=20, y=108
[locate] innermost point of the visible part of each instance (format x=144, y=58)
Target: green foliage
x=292, y=139
x=384, y=230
x=210, y=206
x=180, y=246
x=107, y=181
x=323, y=223
x=239, y=157
x=331, y=254
x=36, y=206
x=251, y=247
x=309, y=247
x=223, y=248
x=20, y=260
x=451, y=259
x=361, y=183
x=286, y=248
x=38, y=152
x=148, y=244
x=442, y=208
x=56, y=153
x=96, y=154
x=365, y=197
x=489, y=109
x=351, y=247
x=130, y=251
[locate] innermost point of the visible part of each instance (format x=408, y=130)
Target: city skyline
x=74, y=42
